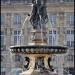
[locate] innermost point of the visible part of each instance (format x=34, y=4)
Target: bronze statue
x=39, y=13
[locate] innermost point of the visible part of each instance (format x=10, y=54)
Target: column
x=46, y=62
x=61, y=30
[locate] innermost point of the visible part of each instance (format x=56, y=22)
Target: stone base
x=43, y=73
x=38, y=72
x=28, y=72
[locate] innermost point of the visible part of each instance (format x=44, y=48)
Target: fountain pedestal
x=38, y=38
x=38, y=51
x=37, y=71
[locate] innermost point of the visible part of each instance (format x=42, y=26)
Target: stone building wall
x=8, y=10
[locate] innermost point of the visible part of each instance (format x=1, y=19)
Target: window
x=17, y=19
x=17, y=37
x=54, y=31
x=70, y=57
x=52, y=19
x=72, y=32
x=52, y=37
x=50, y=32
x=70, y=19
x=8, y=14
x=72, y=43
x=2, y=73
x=68, y=43
x=70, y=38
x=3, y=46
x=18, y=58
x=68, y=31
x=2, y=38
x=2, y=19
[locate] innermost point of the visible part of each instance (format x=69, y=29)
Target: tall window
x=70, y=38
x=2, y=19
x=69, y=19
x=52, y=37
x=70, y=57
x=2, y=38
x=17, y=19
x=17, y=37
x=52, y=20
x=70, y=43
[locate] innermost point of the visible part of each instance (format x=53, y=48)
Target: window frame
x=2, y=38
x=16, y=19
x=2, y=19
x=54, y=37
x=17, y=35
x=69, y=18
x=69, y=37
x=70, y=57
x=52, y=19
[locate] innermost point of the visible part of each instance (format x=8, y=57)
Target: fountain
x=37, y=55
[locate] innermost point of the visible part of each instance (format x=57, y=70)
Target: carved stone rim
x=38, y=49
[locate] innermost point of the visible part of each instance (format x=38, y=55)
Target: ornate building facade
x=60, y=32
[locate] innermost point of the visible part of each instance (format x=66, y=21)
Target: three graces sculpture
x=39, y=14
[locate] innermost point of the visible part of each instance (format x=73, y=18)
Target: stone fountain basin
x=39, y=49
